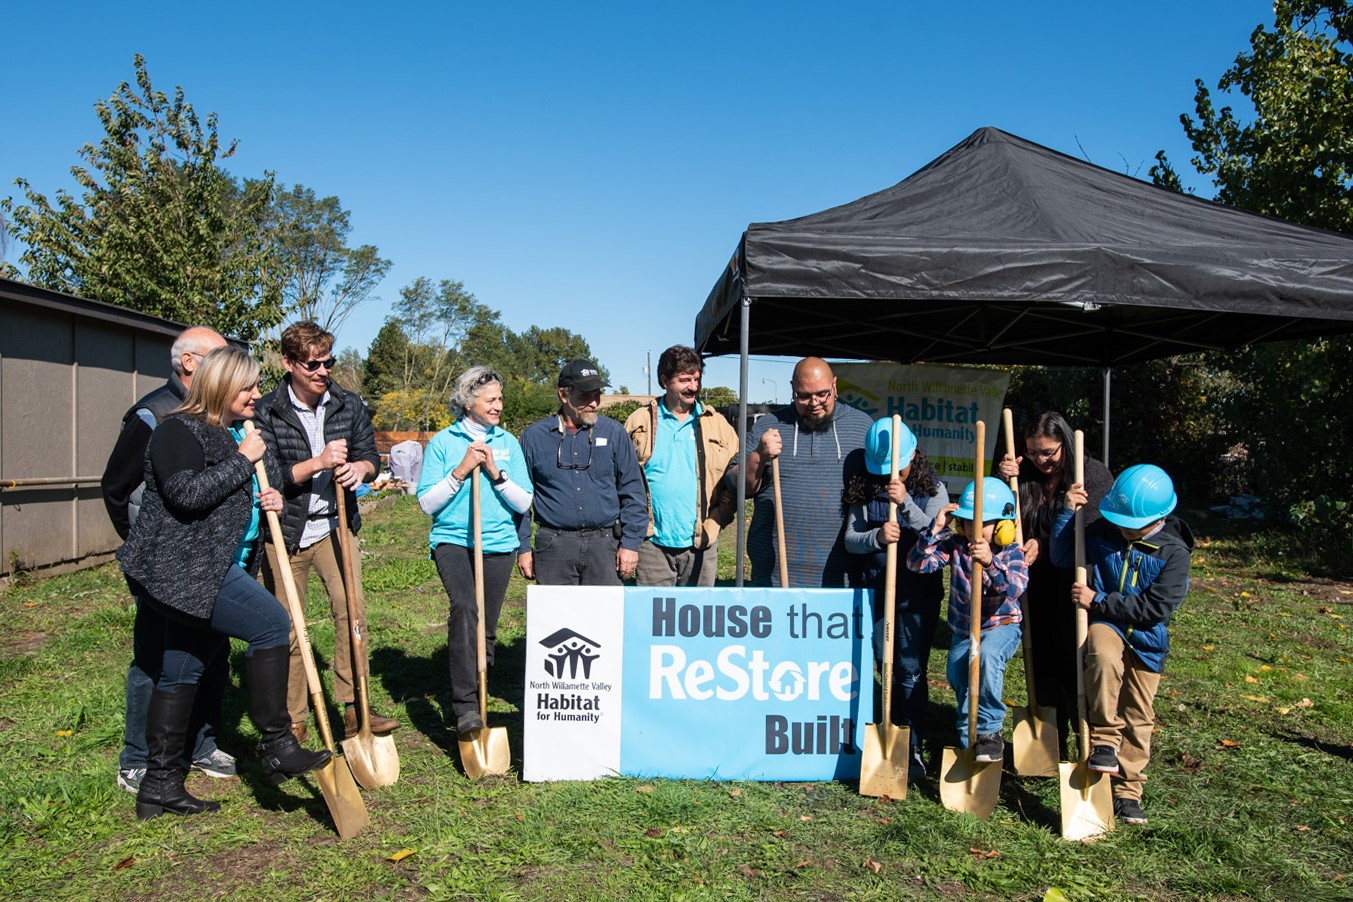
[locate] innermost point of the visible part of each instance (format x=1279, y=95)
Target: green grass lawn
x=1250, y=792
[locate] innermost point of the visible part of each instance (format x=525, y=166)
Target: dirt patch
x=24, y=643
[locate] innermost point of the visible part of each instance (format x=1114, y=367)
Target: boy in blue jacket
x=1137, y=561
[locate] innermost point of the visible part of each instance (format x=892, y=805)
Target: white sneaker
x=129, y=779
x=218, y=764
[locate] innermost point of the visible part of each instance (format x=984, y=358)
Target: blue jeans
x=915, y=626
x=243, y=610
x=144, y=670
x=998, y=647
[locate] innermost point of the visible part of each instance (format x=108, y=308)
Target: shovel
x=779, y=524
x=486, y=751
x=374, y=759
x=1035, y=733
x=883, y=766
x=1087, y=797
x=965, y=783
x=335, y=779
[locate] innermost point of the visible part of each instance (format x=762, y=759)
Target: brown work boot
x=299, y=731
x=379, y=725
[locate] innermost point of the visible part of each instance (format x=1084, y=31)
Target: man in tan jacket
x=685, y=449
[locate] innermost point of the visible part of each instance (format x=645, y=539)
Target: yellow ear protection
x=1003, y=534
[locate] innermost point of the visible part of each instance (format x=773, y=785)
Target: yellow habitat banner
x=940, y=404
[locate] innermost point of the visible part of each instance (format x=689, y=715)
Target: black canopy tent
x=1003, y=251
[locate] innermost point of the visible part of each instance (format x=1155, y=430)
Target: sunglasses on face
x=313, y=365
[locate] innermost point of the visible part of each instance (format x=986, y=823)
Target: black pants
x=455, y=565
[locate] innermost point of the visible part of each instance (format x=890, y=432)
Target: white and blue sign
x=724, y=683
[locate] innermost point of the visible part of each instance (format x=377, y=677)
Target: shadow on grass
x=422, y=684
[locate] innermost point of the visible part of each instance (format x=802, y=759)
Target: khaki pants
x=323, y=557
x=1119, y=695
x=661, y=566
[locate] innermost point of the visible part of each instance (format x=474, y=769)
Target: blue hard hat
x=1140, y=495
x=998, y=502
x=878, y=447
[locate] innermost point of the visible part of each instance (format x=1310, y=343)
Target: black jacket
x=199, y=492
x=124, y=475
x=345, y=417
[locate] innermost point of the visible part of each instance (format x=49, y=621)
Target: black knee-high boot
x=265, y=671
x=166, y=726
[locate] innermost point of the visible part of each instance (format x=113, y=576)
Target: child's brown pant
x=1119, y=693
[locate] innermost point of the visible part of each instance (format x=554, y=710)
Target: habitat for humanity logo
x=571, y=694
x=569, y=650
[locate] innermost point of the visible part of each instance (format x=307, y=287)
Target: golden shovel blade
x=1035, y=742
x=1087, y=802
x=374, y=760
x=883, y=761
x=342, y=796
x=968, y=785
x=486, y=752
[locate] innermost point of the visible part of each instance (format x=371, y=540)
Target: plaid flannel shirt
x=1002, y=583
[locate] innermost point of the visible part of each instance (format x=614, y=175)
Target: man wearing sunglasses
x=323, y=437
x=591, y=511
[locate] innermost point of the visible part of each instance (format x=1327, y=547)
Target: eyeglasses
x=807, y=397
x=559, y=455
x=313, y=365
x=1043, y=455
x=488, y=377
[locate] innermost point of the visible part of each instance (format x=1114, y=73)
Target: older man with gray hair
x=122, y=484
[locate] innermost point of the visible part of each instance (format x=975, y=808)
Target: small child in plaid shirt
x=1004, y=578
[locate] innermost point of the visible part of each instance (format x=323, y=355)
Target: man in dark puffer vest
x=323, y=437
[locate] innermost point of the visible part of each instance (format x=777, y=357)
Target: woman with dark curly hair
x=919, y=495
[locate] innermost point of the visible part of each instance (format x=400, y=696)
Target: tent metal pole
x=743, y=345
x=1108, y=380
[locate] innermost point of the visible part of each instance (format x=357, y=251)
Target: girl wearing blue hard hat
x=1004, y=578
x=919, y=495
x=1138, y=566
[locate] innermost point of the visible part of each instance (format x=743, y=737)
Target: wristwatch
x=502, y=478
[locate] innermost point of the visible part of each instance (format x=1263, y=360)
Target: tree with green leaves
x=540, y=353
x=323, y=279
x=1291, y=157
x=158, y=225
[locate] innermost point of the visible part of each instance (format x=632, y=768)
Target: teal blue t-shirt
x=672, y=483
x=251, y=534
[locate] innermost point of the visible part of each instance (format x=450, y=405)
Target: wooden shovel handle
x=780, y=523
x=1026, y=632
x=481, y=634
x=1082, y=628
x=351, y=592
x=890, y=585
x=297, y=611
x=975, y=602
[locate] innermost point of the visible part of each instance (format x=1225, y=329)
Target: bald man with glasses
x=819, y=443
x=591, y=511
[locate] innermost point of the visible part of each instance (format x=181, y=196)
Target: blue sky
x=592, y=165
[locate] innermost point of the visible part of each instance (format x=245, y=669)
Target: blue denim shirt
x=586, y=479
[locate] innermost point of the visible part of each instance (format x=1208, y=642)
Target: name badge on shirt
x=601, y=442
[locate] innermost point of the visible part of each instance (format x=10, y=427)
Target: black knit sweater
x=196, y=507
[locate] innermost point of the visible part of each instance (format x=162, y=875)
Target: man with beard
x=591, y=512
x=685, y=449
x=819, y=443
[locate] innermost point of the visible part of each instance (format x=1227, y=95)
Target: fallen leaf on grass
x=124, y=863
x=777, y=833
x=643, y=789
x=65, y=732
x=1205, y=648
x=1300, y=676
x=1228, y=744
x=1250, y=679
x=884, y=821
x=747, y=870
x=1256, y=698
x=521, y=818
x=981, y=854
x=804, y=864
x=1054, y=895
x=1188, y=762
x=1324, y=610
x=31, y=604
x=1305, y=703
x=735, y=793
x=652, y=833
x=1336, y=616
x=805, y=817
x=873, y=865
x=1264, y=667
x=402, y=854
